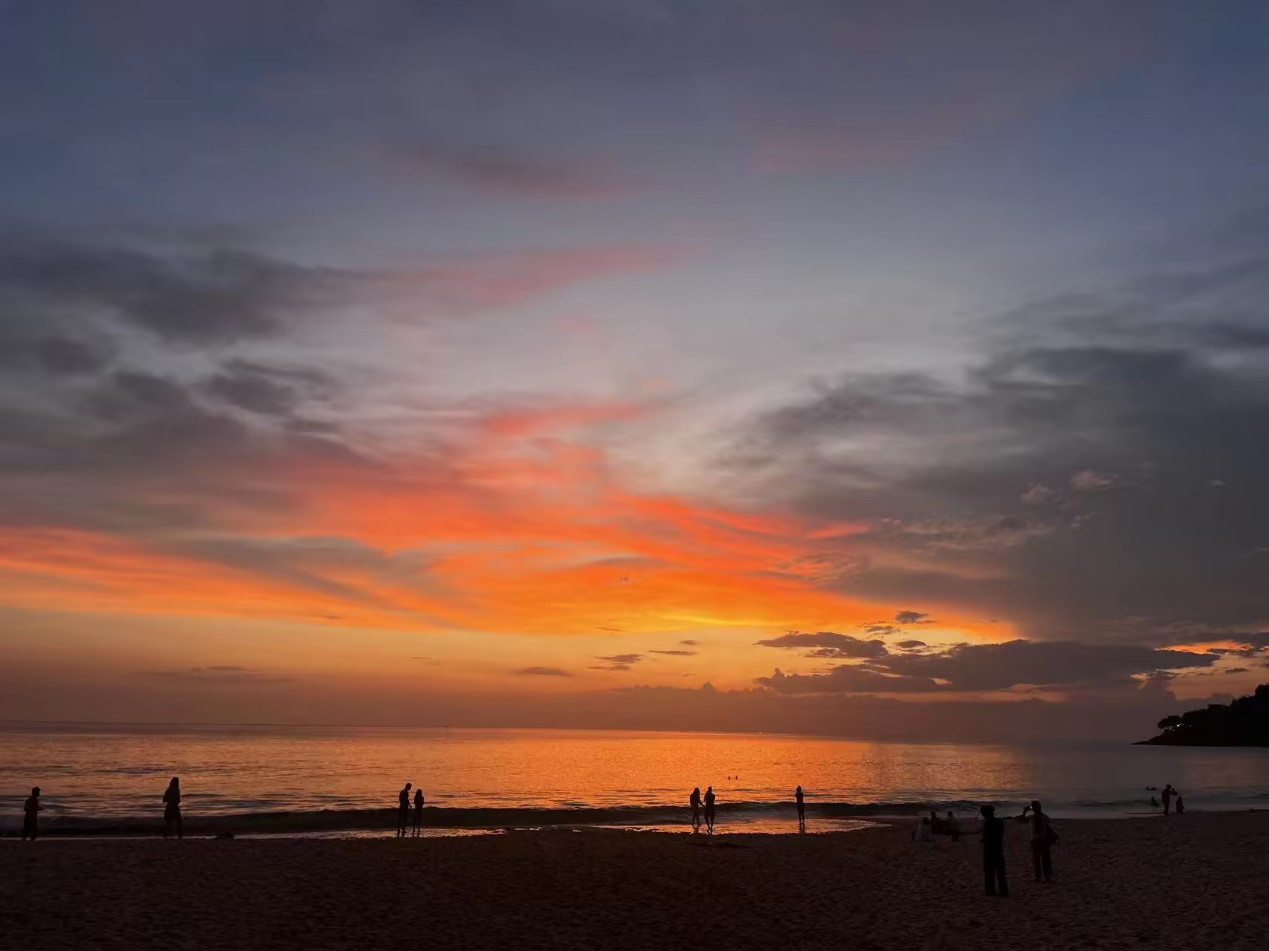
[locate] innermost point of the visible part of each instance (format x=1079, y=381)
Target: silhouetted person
x=936, y=824
x=31, y=810
x=952, y=827
x=1042, y=839
x=418, y=811
x=172, y=808
x=993, y=852
x=403, y=813
x=695, y=800
x=1166, y=796
x=709, y=810
x=797, y=794
x=1180, y=805
x=1154, y=803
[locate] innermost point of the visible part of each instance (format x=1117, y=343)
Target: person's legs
x=1035, y=858
x=1001, y=881
x=1046, y=862
x=989, y=874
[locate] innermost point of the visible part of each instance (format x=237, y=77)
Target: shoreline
x=1170, y=885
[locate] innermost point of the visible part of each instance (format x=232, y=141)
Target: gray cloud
x=502, y=172
x=827, y=644
x=847, y=679
x=910, y=617
x=1132, y=408
x=542, y=672
x=619, y=661
x=910, y=645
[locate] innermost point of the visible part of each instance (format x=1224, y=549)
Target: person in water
x=403, y=810
x=31, y=810
x=1042, y=839
x=709, y=810
x=1166, y=796
x=695, y=801
x=418, y=811
x=172, y=808
x=994, y=852
x=797, y=794
x=1180, y=805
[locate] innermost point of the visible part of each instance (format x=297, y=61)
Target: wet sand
x=1201, y=881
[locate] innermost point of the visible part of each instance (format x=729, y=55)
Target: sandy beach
x=1196, y=882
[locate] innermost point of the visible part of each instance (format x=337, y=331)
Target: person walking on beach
x=31, y=810
x=403, y=811
x=797, y=794
x=1166, y=796
x=418, y=811
x=1042, y=839
x=172, y=808
x=994, y=852
x=709, y=810
x=695, y=801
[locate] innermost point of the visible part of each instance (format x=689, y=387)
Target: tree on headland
x=1241, y=722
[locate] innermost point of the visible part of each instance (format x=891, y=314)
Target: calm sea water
x=108, y=778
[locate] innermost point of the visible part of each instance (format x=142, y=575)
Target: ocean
x=109, y=779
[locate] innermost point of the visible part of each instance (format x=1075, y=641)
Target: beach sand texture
x=1197, y=882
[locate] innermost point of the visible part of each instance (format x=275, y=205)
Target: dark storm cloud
x=542, y=672
x=1097, y=472
x=829, y=644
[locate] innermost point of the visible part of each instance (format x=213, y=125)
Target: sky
x=870, y=368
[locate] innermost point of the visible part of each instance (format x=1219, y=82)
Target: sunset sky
x=848, y=367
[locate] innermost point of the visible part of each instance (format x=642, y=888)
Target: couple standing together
x=403, y=812
x=1043, y=838
x=695, y=800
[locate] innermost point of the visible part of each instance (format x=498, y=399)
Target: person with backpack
x=1043, y=838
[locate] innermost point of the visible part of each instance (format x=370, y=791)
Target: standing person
x=1180, y=805
x=418, y=811
x=403, y=811
x=1042, y=839
x=801, y=806
x=695, y=801
x=994, y=852
x=172, y=808
x=31, y=810
x=709, y=810
x=952, y=827
x=1166, y=796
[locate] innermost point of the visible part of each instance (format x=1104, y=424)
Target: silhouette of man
x=952, y=827
x=403, y=813
x=1166, y=796
x=418, y=811
x=709, y=810
x=801, y=806
x=994, y=852
x=31, y=810
x=695, y=801
x=1180, y=805
x=1042, y=839
x=172, y=808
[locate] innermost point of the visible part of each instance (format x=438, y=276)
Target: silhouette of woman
x=695, y=801
x=709, y=810
x=801, y=806
x=418, y=811
x=172, y=808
